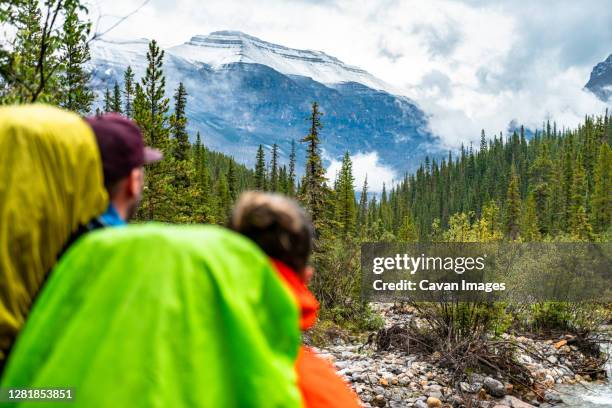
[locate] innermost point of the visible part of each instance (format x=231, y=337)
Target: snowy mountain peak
x=246, y=45
x=220, y=48
x=600, y=82
x=602, y=68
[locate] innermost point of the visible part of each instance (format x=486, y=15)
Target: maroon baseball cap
x=121, y=145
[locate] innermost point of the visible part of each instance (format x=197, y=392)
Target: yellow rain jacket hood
x=50, y=183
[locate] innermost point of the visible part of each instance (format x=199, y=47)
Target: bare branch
x=98, y=35
x=46, y=34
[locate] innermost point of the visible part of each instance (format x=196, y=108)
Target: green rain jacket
x=50, y=183
x=162, y=316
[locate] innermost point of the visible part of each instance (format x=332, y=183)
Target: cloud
x=470, y=64
x=365, y=164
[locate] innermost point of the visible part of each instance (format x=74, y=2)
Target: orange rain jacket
x=319, y=384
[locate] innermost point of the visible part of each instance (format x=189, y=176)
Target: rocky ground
x=398, y=379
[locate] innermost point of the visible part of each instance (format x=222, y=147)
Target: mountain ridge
x=238, y=105
x=600, y=81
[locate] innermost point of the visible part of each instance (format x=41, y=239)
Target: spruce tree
x=602, y=190
x=530, y=230
x=223, y=199
x=203, y=179
x=540, y=178
x=139, y=111
x=154, y=88
x=232, y=182
x=74, y=92
x=362, y=215
x=153, y=120
x=30, y=66
x=260, y=170
x=580, y=227
x=314, y=190
x=291, y=188
x=274, y=169
x=567, y=180
x=108, y=101
x=128, y=92
x=115, y=105
x=513, y=206
x=20, y=73
x=178, y=123
x=407, y=231
x=346, y=212
x=283, y=181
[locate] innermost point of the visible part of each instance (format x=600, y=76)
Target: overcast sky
x=468, y=64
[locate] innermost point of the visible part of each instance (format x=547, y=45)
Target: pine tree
x=178, y=123
x=128, y=92
x=260, y=170
x=513, y=206
x=274, y=169
x=346, y=211
x=74, y=93
x=115, y=104
x=314, y=190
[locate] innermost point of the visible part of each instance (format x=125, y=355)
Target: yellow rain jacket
x=50, y=183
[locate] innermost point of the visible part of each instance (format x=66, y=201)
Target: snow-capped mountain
x=600, y=82
x=221, y=48
x=244, y=92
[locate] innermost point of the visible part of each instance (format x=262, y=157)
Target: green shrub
x=579, y=318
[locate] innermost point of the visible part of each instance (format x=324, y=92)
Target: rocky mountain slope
x=244, y=92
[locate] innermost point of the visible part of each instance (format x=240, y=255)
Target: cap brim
x=152, y=155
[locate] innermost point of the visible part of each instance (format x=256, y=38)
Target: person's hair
x=112, y=187
x=277, y=224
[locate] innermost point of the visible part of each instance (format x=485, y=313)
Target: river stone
x=434, y=394
x=470, y=388
x=494, y=387
x=379, y=401
x=514, y=402
x=552, y=397
x=420, y=404
x=342, y=364
x=433, y=402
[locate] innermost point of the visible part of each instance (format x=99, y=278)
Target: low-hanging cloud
x=365, y=165
x=470, y=64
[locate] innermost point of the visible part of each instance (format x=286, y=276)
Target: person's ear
x=307, y=274
x=135, y=182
